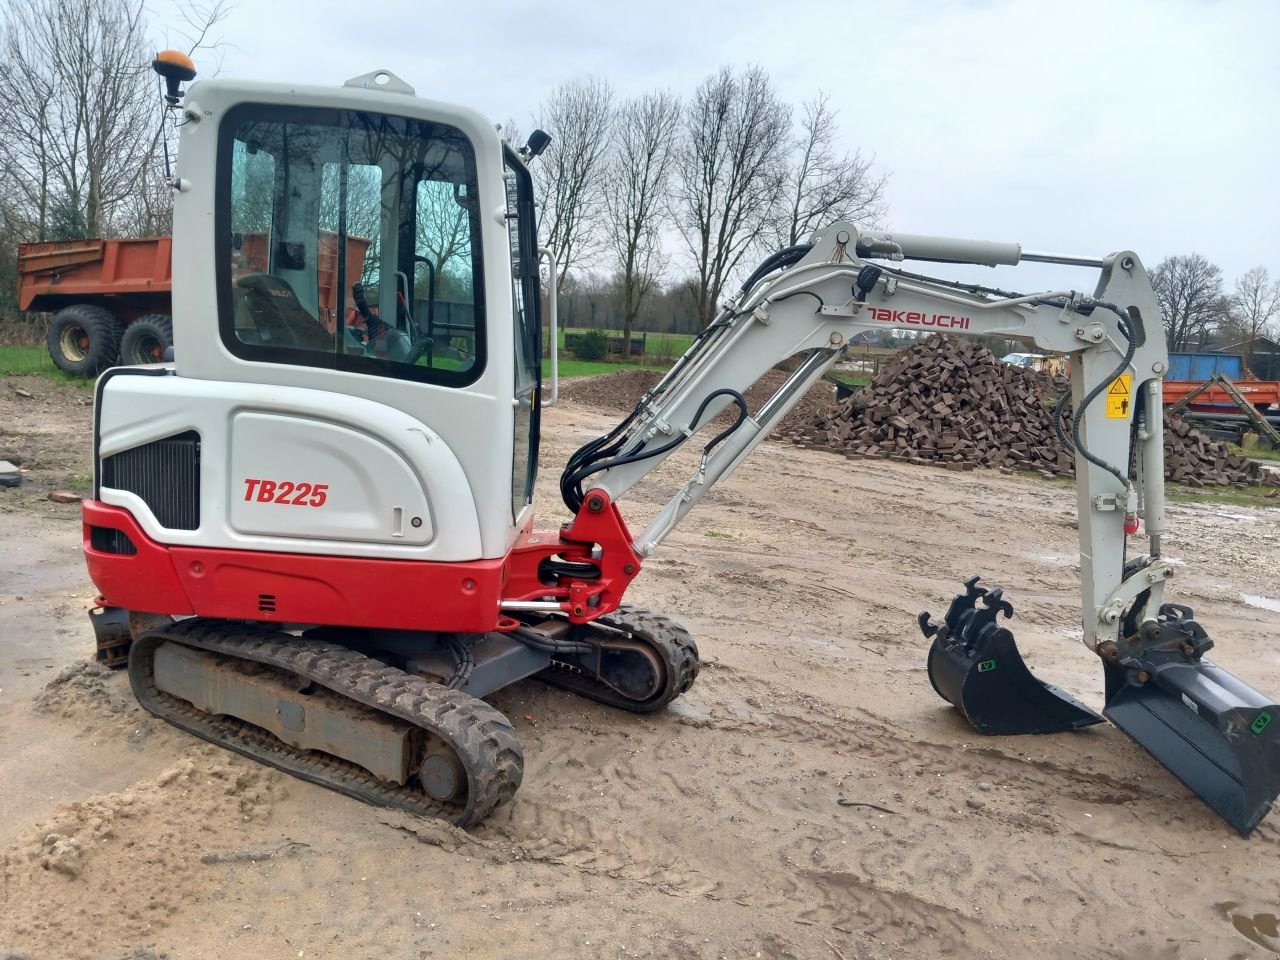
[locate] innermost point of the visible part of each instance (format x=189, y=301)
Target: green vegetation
x=852, y=379
x=28, y=359
x=593, y=345
x=1257, y=453
x=584, y=368
x=1233, y=496
x=659, y=346
x=1178, y=493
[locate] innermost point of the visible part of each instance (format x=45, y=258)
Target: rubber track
x=482, y=737
x=673, y=644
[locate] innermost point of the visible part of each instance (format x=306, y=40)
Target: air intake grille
x=165, y=474
x=107, y=540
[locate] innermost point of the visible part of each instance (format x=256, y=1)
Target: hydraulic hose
x=1134, y=332
x=776, y=261
x=573, y=481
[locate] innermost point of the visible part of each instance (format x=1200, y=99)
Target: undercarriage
x=393, y=718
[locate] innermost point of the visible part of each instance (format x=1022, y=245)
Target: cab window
x=349, y=243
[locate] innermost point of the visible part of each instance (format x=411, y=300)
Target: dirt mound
x=133, y=858
x=949, y=401
x=85, y=687
x=621, y=391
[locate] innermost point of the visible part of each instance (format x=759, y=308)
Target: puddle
x=685, y=707
x=1059, y=561
x=1262, y=603
x=1224, y=513
x=1262, y=929
x=822, y=643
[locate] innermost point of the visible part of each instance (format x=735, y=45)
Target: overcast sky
x=1079, y=126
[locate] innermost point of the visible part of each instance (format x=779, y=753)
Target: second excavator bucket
x=974, y=664
x=1214, y=732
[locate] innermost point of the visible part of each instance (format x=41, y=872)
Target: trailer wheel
x=84, y=339
x=146, y=339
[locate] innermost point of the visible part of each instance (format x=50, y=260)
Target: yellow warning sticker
x=1120, y=396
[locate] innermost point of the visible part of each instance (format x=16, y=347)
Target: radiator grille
x=165, y=474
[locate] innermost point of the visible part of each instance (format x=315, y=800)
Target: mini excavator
x=312, y=530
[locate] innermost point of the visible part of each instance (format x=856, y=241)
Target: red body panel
x=359, y=591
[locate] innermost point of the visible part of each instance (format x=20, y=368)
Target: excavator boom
x=1208, y=727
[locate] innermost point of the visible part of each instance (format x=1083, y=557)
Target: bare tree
x=88, y=58
x=731, y=172
x=569, y=175
x=80, y=118
x=824, y=185
x=1254, y=305
x=1189, y=289
x=635, y=188
x=444, y=233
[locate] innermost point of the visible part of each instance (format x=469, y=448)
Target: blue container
x=1202, y=366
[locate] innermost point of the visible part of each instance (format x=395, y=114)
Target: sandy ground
x=710, y=830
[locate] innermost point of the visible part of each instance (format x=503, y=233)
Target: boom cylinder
x=915, y=246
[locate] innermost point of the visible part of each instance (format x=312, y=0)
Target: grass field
x=585, y=368
x=34, y=359
x=658, y=346
x=1257, y=453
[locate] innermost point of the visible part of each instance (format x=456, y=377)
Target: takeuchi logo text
x=914, y=318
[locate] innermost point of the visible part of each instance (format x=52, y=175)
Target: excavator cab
x=358, y=310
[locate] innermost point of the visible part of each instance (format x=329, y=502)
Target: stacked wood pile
x=948, y=401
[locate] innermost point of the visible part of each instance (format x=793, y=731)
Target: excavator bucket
x=974, y=664
x=1214, y=732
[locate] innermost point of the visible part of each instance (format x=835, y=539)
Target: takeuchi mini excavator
x=313, y=530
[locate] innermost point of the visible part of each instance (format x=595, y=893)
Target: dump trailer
x=1188, y=373
x=111, y=299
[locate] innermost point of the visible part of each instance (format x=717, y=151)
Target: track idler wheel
x=631, y=659
x=974, y=665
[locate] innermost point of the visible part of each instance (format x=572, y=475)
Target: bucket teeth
x=974, y=664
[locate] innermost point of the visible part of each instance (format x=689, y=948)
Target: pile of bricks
x=1192, y=458
x=948, y=401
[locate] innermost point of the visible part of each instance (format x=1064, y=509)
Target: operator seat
x=280, y=319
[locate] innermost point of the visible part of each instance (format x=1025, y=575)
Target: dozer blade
x=974, y=664
x=112, y=633
x=1214, y=732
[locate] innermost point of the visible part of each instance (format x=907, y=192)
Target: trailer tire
x=84, y=339
x=146, y=339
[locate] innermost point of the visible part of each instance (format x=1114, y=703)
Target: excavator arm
x=808, y=302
